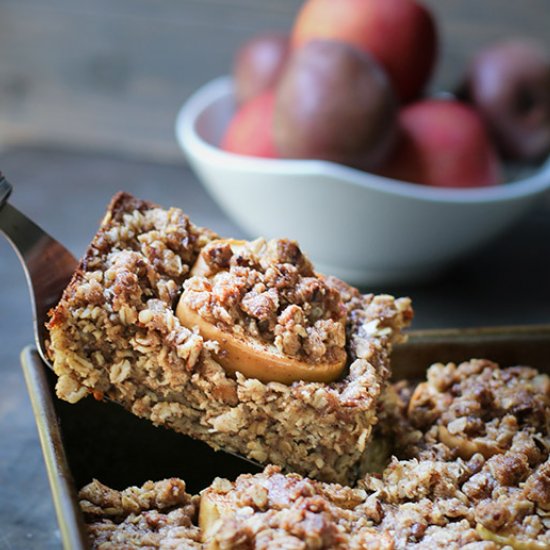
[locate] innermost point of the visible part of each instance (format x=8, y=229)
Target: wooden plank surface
x=111, y=74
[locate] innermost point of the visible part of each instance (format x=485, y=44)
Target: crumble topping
x=156, y=515
x=269, y=291
x=270, y=510
x=478, y=407
x=478, y=435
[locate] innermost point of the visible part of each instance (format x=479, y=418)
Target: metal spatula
x=48, y=265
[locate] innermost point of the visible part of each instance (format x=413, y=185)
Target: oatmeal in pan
x=474, y=439
x=243, y=345
x=165, y=319
x=432, y=494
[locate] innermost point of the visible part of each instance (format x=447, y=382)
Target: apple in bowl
x=365, y=228
x=400, y=34
x=443, y=143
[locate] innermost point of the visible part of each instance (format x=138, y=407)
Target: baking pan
x=101, y=440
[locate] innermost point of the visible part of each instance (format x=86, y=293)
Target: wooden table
x=110, y=75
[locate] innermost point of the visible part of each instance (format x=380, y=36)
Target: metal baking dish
x=101, y=440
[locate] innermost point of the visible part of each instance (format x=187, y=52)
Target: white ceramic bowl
x=364, y=228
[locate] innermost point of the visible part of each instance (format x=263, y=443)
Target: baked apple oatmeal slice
x=414, y=506
x=263, y=357
x=277, y=320
x=478, y=407
x=272, y=510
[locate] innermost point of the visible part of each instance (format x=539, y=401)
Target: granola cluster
x=156, y=515
x=269, y=291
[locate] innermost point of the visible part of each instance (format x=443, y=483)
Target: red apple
x=250, y=131
x=401, y=35
x=443, y=143
x=335, y=103
x=258, y=64
x=509, y=83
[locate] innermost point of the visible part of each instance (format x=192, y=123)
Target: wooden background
x=111, y=74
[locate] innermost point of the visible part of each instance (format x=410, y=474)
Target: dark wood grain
x=112, y=74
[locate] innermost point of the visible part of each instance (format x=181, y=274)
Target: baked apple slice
x=212, y=508
x=466, y=448
x=509, y=540
x=272, y=317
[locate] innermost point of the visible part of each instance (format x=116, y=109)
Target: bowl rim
x=193, y=145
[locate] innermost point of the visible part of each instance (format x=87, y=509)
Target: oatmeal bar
x=155, y=515
x=115, y=335
x=268, y=511
x=271, y=510
x=478, y=407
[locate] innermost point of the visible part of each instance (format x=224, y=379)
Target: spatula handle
x=5, y=190
x=48, y=265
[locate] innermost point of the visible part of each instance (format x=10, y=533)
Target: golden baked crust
x=115, y=335
x=461, y=410
x=474, y=439
x=477, y=407
x=270, y=510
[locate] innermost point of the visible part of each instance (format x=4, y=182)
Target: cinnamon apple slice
x=509, y=540
x=466, y=448
x=427, y=401
x=227, y=273
x=254, y=359
x=212, y=507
